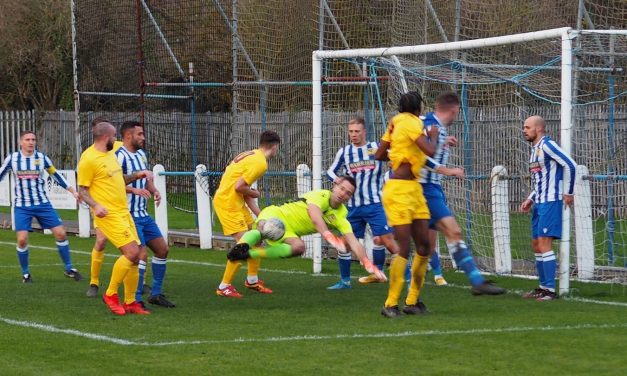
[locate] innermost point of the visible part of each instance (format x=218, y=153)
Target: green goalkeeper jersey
x=296, y=217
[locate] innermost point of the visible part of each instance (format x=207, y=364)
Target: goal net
x=575, y=80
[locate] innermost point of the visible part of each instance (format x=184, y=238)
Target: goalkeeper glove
x=372, y=269
x=335, y=241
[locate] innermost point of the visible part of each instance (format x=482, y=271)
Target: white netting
x=500, y=87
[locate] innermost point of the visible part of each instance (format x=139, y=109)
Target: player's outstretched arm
x=252, y=205
x=360, y=252
x=315, y=213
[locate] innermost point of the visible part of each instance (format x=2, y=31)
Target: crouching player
x=317, y=211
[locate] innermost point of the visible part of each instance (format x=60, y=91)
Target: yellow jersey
x=102, y=174
x=402, y=133
x=250, y=165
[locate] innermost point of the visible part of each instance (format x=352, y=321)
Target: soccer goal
x=574, y=79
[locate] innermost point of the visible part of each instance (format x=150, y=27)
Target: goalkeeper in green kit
x=317, y=211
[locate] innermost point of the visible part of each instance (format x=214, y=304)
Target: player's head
x=410, y=102
x=28, y=141
x=98, y=120
x=269, y=142
x=133, y=135
x=343, y=190
x=533, y=128
x=447, y=106
x=357, y=131
x=104, y=132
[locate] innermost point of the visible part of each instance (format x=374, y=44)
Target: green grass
x=300, y=329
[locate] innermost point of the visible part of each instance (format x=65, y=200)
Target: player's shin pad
x=418, y=271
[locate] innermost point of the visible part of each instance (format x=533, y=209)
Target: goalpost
x=501, y=81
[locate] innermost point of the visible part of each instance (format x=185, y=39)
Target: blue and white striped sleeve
x=337, y=165
x=431, y=164
x=532, y=196
x=6, y=166
x=122, y=161
x=569, y=165
x=54, y=173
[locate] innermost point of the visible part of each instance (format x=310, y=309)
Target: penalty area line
x=422, y=333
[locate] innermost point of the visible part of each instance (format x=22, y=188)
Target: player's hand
x=433, y=132
x=456, y=172
x=451, y=141
x=526, y=205
x=145, y=174
x=157, y=196
x=142, y=192
x=100, y=211
x=76, y=196
x=253, y=193
x=569, y=200
x=335, y=241
x=372, y=269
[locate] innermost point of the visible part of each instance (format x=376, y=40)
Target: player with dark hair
x=28, y=165
x=407, y=147
x=447, y=108
x=317, y=211
x=132, y=158
x=232, y=202
x=553, y=177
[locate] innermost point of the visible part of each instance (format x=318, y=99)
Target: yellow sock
x=120, y=269
x=97, y=257
x=418, y=272
x=253, y=267
x=232, y=267
x=397, y=280
x=130, y=284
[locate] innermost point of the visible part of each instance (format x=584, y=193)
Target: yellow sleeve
x=255, y=169
x=85, y=172
x=415, y=130
x=319, y=198
x=343, y=226
x=387, y=136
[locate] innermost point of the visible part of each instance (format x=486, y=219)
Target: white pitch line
x=202, y=263
x=423, y=333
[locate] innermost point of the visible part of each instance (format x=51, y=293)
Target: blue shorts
x=436, y=201
x=45, y=214
x=147, y=229
x=372, y=214
x=546, y=220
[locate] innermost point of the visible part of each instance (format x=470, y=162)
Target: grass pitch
x=51, y=327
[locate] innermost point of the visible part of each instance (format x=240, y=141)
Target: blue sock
x=463, y=259
x=540, y=269
x=410, y=260
x=22, y=256
x=64, y=252
x=549, y=265
x=378, y=256
x=140, y=282
x=345, y=259
x=158, y=274
x=434, y=263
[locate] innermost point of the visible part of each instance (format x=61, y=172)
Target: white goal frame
x=566, y=124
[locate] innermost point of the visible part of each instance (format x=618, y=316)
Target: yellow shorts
x=274, y=212
x=404, y=202
x=119, y=228
x=233, y=220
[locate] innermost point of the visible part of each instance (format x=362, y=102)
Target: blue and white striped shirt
x=552, y=172
x=133, y=162
x=427, y=174
x=359, y=163
x=28, y=171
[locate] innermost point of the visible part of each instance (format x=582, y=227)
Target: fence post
x=500, y=220
x=161, y=210
x=203, y=203
x=584, y=237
